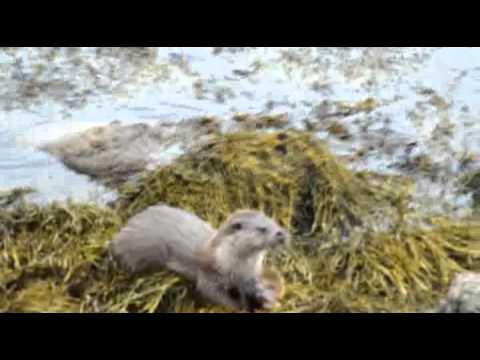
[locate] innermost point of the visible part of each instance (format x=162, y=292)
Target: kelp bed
x=356, y=246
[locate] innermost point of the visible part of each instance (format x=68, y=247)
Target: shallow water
x=427, y=96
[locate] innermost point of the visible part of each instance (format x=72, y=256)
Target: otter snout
x=282, y=237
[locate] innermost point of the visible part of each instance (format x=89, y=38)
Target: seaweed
x=357, y=246
x=289, y=175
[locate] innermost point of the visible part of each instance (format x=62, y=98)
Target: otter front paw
x=256, y=297
x=268, y=296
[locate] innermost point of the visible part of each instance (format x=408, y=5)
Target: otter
x=226, y=265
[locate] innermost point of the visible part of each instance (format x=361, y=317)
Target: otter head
x=243, y=239
x=252, y=231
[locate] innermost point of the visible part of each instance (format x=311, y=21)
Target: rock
x=117, y=152
x=463, y=296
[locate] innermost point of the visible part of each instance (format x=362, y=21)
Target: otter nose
x=281, y=237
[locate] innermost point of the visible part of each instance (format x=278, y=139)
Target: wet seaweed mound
x=289, y=175
x=354, y=247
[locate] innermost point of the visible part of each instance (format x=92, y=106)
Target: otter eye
x=262, y=229
x=237, y=226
